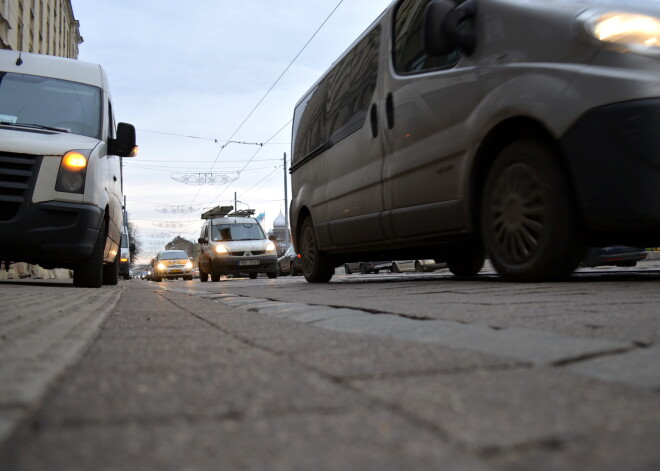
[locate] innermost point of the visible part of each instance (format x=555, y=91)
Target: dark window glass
x=338, y=105
x=238, y=231
x=409, y=52
x=30, y=99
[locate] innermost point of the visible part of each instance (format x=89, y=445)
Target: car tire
x=363, y=269
x=528, y=220
x=111, y=272
x=89, y=272
x=292, y=270
x=203, y=276
x=271, y=274
x=317, y=266
x=347, y=269
x=467, y=260
x=215, y=277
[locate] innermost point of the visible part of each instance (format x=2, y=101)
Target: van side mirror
x=272, y=237
x=124, y=144
x=202, y=240
x=447, y=27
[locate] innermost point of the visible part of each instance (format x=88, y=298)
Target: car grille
x=242, y=252
x=17, y=176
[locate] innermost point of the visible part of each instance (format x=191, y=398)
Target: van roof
x=54, y=67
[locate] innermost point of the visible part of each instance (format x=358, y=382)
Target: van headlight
x=632, y=31
x=73, y=169
x=220, y=249
x=189, y=265
x=270, y=247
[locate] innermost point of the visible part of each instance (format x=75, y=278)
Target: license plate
x=243, y=263
x=176, y=271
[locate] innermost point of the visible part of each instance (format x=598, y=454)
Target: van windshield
x=52, y=103
x=238, y=231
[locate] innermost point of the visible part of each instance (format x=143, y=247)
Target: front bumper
x=51, y=234
x=613, y=154
x=229, y=265
x=174, y=272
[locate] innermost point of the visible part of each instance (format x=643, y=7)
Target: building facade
x=40, y=26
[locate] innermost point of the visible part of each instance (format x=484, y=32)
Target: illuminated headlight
x=221, y=249
x=189, y=265
x=636, y=32
x=73, y=169
x=270, y=247
x=160, y=266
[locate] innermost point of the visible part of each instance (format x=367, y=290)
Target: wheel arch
x=303, y=213
x=500, y=136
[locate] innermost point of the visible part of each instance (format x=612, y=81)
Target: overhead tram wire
x=271, y=88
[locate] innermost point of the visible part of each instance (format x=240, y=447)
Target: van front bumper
x=51, y=234
x=229, y=265
x=613, y=154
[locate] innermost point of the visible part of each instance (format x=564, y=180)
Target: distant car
x=402, y=266
x=172, y=264
x=367, y=267
x=290, y=263
x=617, y=255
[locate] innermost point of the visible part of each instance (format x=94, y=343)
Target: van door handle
x=389, y=110
x=374, y=120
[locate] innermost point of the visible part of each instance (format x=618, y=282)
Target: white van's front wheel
x=315, y=264
x=89, y=273
x=528, y=221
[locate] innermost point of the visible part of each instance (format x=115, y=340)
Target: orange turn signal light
x=74, y=161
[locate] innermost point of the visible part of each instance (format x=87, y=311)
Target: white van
x=60, y=169
x=522, y=129
x=125, y=254
x=233, y=243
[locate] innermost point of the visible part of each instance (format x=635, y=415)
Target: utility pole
x=286, y=208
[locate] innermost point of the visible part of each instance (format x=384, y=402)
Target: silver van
x=524, y=130
x=60, y=167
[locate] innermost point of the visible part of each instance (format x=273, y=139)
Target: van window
x=409, y=54
x=30, y=99
x=124, y=241
x=339, y=104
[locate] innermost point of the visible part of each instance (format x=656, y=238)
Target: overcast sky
x=187, y=75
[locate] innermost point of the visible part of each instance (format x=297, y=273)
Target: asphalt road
x=384, y=372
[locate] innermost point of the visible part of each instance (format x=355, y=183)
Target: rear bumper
x=613, y=154
x=51, y=234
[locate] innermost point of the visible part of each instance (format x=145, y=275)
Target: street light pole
x=286, y=208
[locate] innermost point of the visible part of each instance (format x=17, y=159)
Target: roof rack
x=217, y=212
x=243, y=213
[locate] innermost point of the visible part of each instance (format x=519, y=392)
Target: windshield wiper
x=34, y=126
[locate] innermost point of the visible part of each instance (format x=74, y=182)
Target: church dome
x=279, y=221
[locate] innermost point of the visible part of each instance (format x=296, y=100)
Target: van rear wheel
x=316, y=266
x=528, y=221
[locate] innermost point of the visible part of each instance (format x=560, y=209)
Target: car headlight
x=270, y=247
x=632, y=31
x=189, y=265
x=220, y=249
x=160, y=266
x=73, y=169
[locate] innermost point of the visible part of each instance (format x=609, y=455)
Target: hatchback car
x=172, y=264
